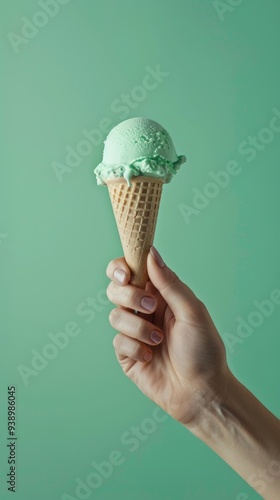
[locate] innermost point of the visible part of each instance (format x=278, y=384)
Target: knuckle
x=114, y=317
x=199, y=309
x=201, y=306
x=108, y=290
x=117, y=341
x=140, y=329
x=111, y=292
x=136, y=350
x=171, y=280
x=132, y=295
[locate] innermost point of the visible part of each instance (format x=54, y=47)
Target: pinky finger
x=126, y=347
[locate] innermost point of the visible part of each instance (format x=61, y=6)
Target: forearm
x=246, y=435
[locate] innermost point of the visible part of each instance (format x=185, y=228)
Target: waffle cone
x=136, y=208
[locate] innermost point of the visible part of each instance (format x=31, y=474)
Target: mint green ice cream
x=138, y=146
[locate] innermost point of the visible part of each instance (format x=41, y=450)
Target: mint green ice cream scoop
x=138, y=146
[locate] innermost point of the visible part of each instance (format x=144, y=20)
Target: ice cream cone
x=136, y=209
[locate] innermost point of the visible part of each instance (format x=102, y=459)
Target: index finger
x=118, y=271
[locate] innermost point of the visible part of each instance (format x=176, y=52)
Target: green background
x=56, y=238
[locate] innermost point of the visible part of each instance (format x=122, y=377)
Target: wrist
x=208, y=399
x=216, y=404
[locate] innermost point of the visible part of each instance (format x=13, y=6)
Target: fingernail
x=156, y=337
x=157, y=257
x=120, y=275
x=148, y=303
x=148, y=356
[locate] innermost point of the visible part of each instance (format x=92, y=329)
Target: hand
x=171, y=349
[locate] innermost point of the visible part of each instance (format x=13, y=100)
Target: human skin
x=173, y=352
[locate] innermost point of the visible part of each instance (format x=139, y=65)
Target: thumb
x=176, y=294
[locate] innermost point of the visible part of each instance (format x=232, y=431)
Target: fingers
x=118, y=271
x=131, y=348
x=131, y=297
x=135, y=327
x=158, y=315
x=178, y=296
